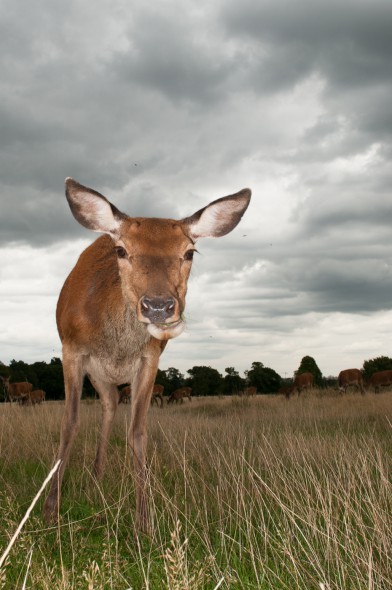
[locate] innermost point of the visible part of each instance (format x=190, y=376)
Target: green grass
x=264, y=493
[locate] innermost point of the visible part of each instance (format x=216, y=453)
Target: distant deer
x=122, y=302
x=179, y=394
x=16, y=392
x=157, y=394
x=380, y=379
x=125, y=395
x=348, y=378
x=37, y=396
x=286, y=390
x=301, y=382
x=248, y=391
x=34, y=397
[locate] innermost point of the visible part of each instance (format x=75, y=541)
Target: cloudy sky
x=166, y=106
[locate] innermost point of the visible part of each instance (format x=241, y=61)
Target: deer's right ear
x=91, y=209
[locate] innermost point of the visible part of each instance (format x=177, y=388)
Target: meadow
x=259, y=493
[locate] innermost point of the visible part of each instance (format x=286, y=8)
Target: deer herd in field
x=24, y=394
x=347, y=378
x=125, y=395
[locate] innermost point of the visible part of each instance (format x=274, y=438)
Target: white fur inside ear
x=209, y=222
x=97, y=211
x=219, y=217
x=94, y=212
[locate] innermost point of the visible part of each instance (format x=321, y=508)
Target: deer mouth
x=166, y=330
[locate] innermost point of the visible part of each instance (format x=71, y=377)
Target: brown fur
x=37, y=396
x=286, y=390
x=380, y=379
x=179, y=394
x=248, y=391
x=157, y=394
x=349, y=377
x=301, y=382
x=120, y=304
x=16, y=391
x=34, y=397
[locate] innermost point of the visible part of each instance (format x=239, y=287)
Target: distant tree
x=50, y=378
x=4, y=372
x=380, y=363
x=330, y=381
x=232, y=382
x=265, y=380
x=161, y=377
x=56, y=361
x=21, y=371
x=205, y=381
x=308, y=365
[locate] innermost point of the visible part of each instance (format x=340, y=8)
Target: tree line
x=204, y=380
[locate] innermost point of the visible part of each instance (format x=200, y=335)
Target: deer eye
x=189, y=255
x=121, y=252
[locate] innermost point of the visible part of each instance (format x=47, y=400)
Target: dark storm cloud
x=174, y=58
x=128, y=116
x=349, y=42
x=65, y=115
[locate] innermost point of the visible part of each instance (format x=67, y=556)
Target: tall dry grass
x=245, y=493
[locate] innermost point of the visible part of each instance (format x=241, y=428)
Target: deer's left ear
x=92, y=209
x=219, y=217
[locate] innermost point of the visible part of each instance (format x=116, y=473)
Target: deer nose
x=157, y=309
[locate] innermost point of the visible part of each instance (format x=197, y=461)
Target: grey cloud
x=172, y=60
x=359, y=215
x=347, y=45
x=164, y=109
x=318, y=270
x=349, y=42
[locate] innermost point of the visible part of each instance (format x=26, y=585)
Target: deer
x=120, y=305
x=16, y=391
x=157, y=394
x=250, y=391
x=349, y=377
x=36, y=397
x=125, y=395
x=179, y=394
x=301, y=382
x=380, y=379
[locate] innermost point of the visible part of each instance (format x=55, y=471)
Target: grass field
x=258, y=493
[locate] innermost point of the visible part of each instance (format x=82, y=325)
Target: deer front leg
x=73, y=381
x=141, y=397
x=108, y=395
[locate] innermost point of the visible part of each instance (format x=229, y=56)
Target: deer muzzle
x=162, y=315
